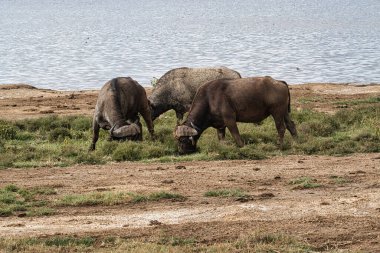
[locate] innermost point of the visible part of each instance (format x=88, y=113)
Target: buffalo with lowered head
x=222, y=103
x=176, y=89
x=119, y=103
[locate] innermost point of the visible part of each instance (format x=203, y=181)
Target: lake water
x=80, y=44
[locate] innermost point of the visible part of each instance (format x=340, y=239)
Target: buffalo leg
x=140, y=136
x=221, y=133
x=146, y=114
x=231, y=125
x=95, y=137
x=290, y=125
x=280, y=125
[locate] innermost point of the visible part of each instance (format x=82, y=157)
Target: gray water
x=80, y=44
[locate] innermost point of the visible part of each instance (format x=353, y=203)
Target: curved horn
x=127, y=130
x=181, y=131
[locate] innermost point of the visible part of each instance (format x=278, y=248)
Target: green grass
x=112, y=198
x=370, y=100
x=257, y=242
x=225, y=193
x=42, y=200
x=70, y=241
x=93, y=199
x=339, y=180
x=304, y=183
x=64, y=141
x=14, y=199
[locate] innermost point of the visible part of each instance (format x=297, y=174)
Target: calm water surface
x=80, y=44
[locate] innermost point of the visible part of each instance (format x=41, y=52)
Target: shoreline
x=8, y=86
x=22, y=101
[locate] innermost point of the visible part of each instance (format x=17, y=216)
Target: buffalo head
x=187, y=139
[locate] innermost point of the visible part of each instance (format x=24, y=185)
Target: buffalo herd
x=214, y=97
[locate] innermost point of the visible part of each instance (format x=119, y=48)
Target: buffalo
x=176, y=89
x=222, y=103
x=119, y=102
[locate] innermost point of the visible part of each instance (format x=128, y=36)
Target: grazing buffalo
x=119, y=103
x=222, y=103
x=176, y=89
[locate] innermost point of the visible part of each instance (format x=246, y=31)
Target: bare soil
x=343, y=213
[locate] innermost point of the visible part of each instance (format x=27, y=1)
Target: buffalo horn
x=127, y=130
x=185, y=131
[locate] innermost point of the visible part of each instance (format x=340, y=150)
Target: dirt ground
x=341, y=214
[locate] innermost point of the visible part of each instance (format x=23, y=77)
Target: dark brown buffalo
x=222, y=103
x=119, y=103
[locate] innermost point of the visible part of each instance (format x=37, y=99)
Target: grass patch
x=64, y=141
x=111, y=198
x=136, y=198
x=304, y=183
x=176, y=241
x=339, y=180
x=370, y=100
x=14, y=199
x=258, y=242
x=93, y=199
x=70, y=241
x=41, y=211
x=265, y=242
x=225, y=193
